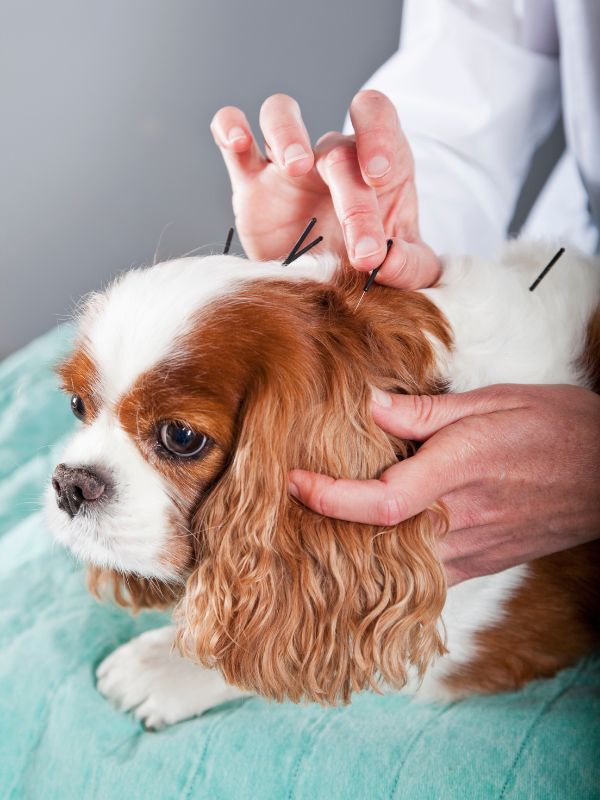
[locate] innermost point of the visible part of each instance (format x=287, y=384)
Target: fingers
x=285, y=134
x=353, y=172
x=355, y=203
x=402, y=491
x=409, y=266
x=386, y=505
x=481, y=550
x=233, y=136
x=385, y=161
x=384, y=155
x=418, y=417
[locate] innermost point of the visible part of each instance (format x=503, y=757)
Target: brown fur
x=285, y=602
x=549, y=623
x=590, y=361
x=133, y=592
x=553, y=618
x=78, y=375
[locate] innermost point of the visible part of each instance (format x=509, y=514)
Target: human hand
x=361, y=188
x=517, y=468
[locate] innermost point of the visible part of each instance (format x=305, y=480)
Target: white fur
x=147, y=674
x=137, y=321
x=128, y=532
x=470, y=606
x=502, y=333
x=131, y=327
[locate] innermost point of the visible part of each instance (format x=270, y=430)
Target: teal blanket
x=60, y=739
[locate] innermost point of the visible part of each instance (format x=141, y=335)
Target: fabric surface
x=60, y=739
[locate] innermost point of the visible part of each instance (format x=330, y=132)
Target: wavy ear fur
x=131, y=591
x=285, y=602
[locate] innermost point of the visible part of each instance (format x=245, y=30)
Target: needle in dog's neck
x=373, y=275
x=546, y=269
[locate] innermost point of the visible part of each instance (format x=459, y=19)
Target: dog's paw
x=162, y=687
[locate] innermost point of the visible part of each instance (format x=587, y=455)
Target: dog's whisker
x=155, y=257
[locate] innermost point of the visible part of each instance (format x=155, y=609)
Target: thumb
x=419, y=416
x=403, y=490
x=409, y=265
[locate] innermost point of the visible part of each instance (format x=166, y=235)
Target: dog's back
x=530, y=621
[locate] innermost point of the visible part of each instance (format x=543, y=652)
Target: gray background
x=104, y=140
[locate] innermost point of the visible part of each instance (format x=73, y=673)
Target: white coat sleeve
x=475, y=101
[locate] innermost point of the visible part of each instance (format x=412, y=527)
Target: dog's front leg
x=149, y=676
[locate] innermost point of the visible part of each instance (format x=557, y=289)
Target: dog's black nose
x=75, y=486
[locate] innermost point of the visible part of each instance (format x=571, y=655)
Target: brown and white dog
x=202, y=381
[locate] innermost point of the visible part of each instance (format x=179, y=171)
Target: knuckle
x=328, y=141
x=397, y=271
x=470, y=517
x=499, y=391
x=457, y=573
x=358, y=215
x=341, y=154
x=322, y=503
x=328, y=135
x=283, y=132
x=391, y=510
x=423, y=407
x=377, y=135
x=484, y=564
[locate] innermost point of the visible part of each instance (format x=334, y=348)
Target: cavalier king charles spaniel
x=201, y=382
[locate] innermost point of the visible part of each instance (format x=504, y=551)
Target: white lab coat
x=478, y=85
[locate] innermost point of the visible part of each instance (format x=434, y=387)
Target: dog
x=201, y=382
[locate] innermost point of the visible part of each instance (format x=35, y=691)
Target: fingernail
x=366, y=246
x=378, y=166
x=293, y=152
x=293, y=490
x=236, y=134
x=381, y=398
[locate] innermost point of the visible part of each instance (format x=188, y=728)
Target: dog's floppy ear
x=131, y=591
x=290, y=604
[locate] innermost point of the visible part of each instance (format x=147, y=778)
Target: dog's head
x=200, y=383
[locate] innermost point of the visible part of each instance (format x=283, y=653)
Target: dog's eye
x=78, y=406
x=180, y=440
